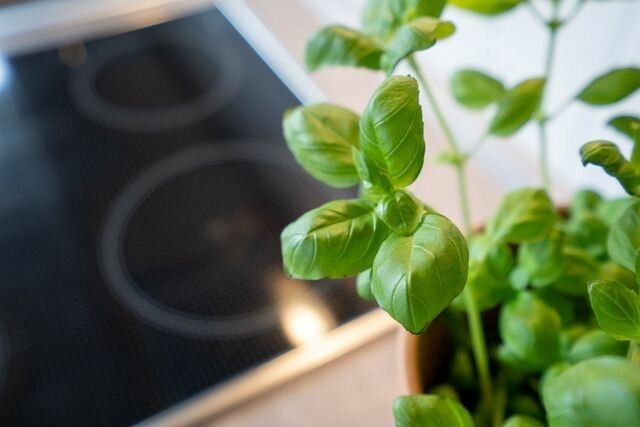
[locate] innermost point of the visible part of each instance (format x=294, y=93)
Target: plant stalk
x=451, y=140
x=478, y=342
x=543, y=120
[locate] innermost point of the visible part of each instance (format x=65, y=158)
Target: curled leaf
x=607, y=155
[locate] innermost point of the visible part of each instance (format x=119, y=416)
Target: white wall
x=511, y=46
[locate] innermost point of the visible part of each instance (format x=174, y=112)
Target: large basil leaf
x=400, y=211
x=417, y=35
x=338, y=45
x=624, y=238
x=382, y=18
x=321, y=138
x=530, y=330
x=611, y=87
x=391, y=130
x=486, y=7
x=338, y=239
x=617, y=309
x=430, y=410
x=416, y=277
x=542, y=259
x=475, y=89
x=599, y=392
x=607, y=155
x=523, y=215
x=596, y=343
x=516, y=107
x=522, y=421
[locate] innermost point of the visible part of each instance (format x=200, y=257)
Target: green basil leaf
x=523, y=215
x=338, y=45
x=391, y=131
x=607, y=155
x=542, y=259
x=624, y=238
x=530, y=330
x=363, y=286
x=486, y=7
x=416, y=277
x=627, y=125
x=611, y=271
x=382, y=18
x=617, y=309
x=580, y=268
x=611, y=87
x=525, y=405
x=516, y=107
x=599, y=392
x=338, y=239
x=375, y=179
x=321, y=138
x=488, y=278
x=610, y=210
x=589, y=232
x=430, y=410
x=400, y=212
x=522, y=421
x=563, y=305
x=638, y=267
x=584, y=201
x=596, y=343
x=475, y=89
x=419, y=34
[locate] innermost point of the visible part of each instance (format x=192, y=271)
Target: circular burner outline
x=95, y=106
x=111, y=240
x=5, y=357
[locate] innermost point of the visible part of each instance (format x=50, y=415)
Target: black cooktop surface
x=143, y=186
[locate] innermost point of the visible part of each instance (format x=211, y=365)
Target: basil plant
x=541, y=306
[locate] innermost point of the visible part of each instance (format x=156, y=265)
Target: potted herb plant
x=533, y=320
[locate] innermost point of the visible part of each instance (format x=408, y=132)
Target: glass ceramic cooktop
x=143, y=186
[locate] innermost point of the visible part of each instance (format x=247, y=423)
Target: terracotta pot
x=421, y=357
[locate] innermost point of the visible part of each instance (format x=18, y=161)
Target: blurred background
x=144, y=183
